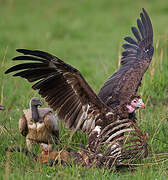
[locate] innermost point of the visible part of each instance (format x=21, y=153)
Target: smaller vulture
x=2, y=107
x=38, y=125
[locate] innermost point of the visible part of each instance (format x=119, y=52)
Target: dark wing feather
x=136, y=58
x=63, y=88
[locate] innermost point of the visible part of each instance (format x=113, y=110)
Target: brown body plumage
x=66, y=91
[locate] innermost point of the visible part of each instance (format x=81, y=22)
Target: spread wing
x=136, y=58
x=51, y=124
x=63, y=88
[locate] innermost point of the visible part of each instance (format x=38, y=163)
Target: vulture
x=122, y=86
x=39, y=125
x=112, y=139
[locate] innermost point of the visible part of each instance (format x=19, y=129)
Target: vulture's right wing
x=63, y=88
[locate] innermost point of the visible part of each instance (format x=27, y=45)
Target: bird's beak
x=143, y=106
x=2, y=107
x=40, y=104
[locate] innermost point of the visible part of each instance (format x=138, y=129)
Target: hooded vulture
x=66, y=91
x=39, y=125
x=122, y=86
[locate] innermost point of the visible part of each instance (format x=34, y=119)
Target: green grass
x=88, y=35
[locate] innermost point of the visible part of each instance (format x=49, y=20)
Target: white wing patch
x=98, y=130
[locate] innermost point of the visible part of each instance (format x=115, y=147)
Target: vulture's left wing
x=63, y=88
x=136, y=58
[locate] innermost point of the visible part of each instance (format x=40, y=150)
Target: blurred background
x=88, y=34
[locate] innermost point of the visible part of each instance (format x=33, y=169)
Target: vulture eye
x=146, y=50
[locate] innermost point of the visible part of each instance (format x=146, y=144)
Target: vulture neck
x=122, y=111
x=35, y=114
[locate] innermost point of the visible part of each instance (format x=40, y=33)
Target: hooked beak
x=143, y=106
x=2, y=107
x=40, y=104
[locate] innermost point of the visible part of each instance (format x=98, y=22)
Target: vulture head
x=136, y=103
x=127, y=109
x=2, y=107
x=34, y=103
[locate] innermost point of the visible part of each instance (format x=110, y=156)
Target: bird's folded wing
x=51, y=124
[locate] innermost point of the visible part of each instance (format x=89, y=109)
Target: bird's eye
x=134, y=101
x=146, y=50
